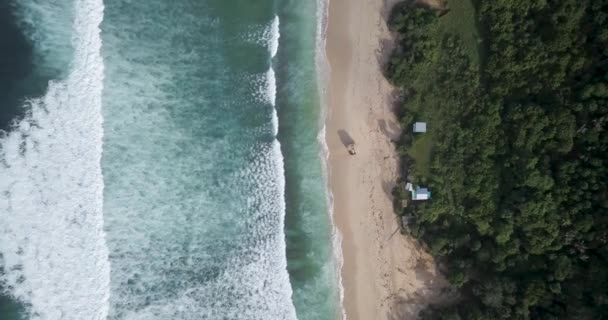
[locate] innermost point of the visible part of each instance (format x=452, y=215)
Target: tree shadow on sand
x=345, y=138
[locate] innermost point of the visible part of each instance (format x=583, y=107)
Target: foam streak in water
x=274, y=34
x=51, y=224
x=271, y=85
x=268, y=82
x=278, y=160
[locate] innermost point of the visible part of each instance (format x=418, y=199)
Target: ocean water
x=171, y=166
x=29, y=57
x=312, y=262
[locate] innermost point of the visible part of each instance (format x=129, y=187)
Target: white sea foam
x=271, y=81
x=267, y=82
x=266, y=92
x=51, y=224
x=252, y=284
x=278, y=161
x=275, y=122
x=194, y=206
x=271, y=87
x=267, y=35
x=273, y=36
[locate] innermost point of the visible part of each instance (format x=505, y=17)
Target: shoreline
x=323, y=85
x=384, y=274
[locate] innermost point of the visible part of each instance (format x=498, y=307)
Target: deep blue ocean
x=163, y=159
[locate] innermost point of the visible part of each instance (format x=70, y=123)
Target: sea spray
x=51, y=225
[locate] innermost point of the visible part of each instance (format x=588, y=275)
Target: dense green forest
x=515, y=96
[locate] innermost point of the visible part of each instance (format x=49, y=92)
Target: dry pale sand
x=386, y=275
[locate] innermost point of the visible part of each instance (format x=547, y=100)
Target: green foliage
x=415, y=24
x=516, y=154
x=421, y=154
x=459, y=19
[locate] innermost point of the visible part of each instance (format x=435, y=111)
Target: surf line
x=272, y=36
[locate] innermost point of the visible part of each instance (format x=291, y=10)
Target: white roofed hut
x=421, y=194
x=418, y=193
x=420, y=127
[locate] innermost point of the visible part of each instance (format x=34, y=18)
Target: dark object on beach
x=347, y=141
x=351, y=149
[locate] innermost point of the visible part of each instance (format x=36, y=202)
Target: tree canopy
x=517, y=157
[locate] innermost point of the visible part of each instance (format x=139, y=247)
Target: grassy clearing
x=461, y=21
x=426, y=105
x=420, y=151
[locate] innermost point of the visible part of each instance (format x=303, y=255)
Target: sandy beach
x=386, y=275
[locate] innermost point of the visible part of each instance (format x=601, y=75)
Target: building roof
x=421, y=194
x=422, y=191
x=420, y=127
x=409, y=187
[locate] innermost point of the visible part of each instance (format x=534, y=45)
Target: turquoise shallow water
x=311, y=262
x=173, y=166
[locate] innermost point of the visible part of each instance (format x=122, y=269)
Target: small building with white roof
x=418, y=193
x=420, y=127
x=421, y=194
